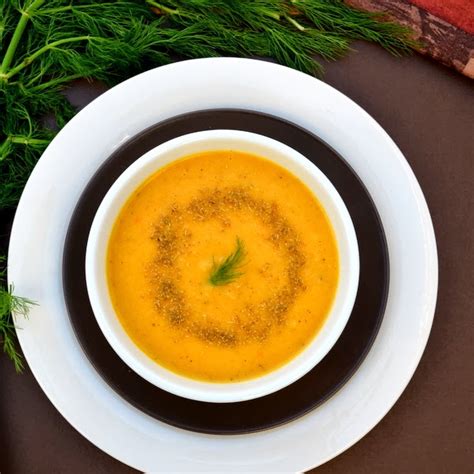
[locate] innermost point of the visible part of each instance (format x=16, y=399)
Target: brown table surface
x=429, y=112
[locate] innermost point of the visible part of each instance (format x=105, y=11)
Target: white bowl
x=147, y=165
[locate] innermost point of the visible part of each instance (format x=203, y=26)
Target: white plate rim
x=119, y=114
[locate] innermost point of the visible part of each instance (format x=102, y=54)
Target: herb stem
x=163, y=8
x=43, y=50
x=49, y=11
x=276, y=16
x=55, y=82
x=16, y=37
x=22, y=140
x=297, y=25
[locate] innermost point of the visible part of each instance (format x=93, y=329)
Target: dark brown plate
x=305, y=394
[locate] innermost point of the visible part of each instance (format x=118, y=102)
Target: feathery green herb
x=47, y=44
x=44, y=45
x=10, y=304
x=228, y=270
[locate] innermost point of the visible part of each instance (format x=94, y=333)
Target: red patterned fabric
x=457, y=12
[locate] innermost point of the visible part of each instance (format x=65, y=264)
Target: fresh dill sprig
x=11, y=305
x=228, y=269
x=44, y=45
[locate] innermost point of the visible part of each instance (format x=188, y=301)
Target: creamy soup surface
x=222, y=266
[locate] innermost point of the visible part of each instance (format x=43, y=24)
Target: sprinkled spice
x=172, y=239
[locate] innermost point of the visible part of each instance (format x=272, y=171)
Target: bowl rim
x=134, y=176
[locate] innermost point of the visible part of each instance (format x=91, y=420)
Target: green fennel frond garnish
x=228, y=270
x=10, y=305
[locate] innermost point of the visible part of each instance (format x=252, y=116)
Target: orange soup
x=222, y=266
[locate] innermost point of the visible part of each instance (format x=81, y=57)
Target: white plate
x=55, y=185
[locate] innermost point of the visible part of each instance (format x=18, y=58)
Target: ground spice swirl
x=171, y=237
